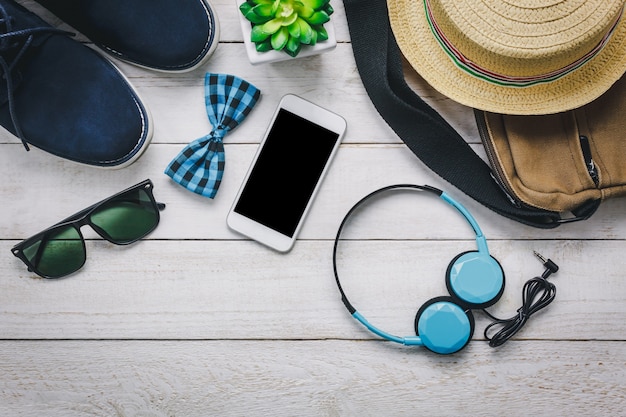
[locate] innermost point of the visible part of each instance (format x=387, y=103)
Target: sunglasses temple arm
x=161, y=206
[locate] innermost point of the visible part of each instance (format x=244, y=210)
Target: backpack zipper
x=496, y=170
x=589, y=163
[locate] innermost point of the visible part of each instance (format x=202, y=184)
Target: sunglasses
x=121, y=219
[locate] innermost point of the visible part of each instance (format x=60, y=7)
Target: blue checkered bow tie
x=199, y=167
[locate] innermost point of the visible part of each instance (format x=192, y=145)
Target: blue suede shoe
x=164, y=35
x=65, y=98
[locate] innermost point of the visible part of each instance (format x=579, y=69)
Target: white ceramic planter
x=274, y=56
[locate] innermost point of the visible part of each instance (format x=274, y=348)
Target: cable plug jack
x=551, y=267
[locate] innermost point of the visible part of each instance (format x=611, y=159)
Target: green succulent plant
x=286, y=25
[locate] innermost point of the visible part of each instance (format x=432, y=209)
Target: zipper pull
x=591, y=166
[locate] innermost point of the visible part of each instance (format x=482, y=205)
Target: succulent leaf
x=272, y=26
x=280, y=38
x=258, y=34
x=260, y=14
x=314, y=4
x=294, y=29
x=328, y=9
x=261, y=1
x=251, y=15
x=293, y=46
x=322, y=34
x=313, y=37
x=306, y=31
x=275, y=6
x=318, y=18
x=264, y=46
x=263, y=10
x=289, y=20
x=245, y=8
x=302, y=9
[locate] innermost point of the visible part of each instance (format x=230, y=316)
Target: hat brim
x=574, y=89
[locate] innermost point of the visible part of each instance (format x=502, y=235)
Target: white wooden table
x=197, y=321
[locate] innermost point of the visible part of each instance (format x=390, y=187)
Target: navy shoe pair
x=65, y=98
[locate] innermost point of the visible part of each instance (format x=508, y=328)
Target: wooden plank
x=240, y=378
x=43, y=190
x=240, y=290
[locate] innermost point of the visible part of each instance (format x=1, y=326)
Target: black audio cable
x=537, y=293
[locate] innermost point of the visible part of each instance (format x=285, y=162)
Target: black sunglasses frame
x=80, y=219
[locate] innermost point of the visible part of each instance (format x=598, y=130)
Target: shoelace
x=20, y=41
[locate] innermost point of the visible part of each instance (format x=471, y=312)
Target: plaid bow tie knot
x=199, y=167
x=218, y=133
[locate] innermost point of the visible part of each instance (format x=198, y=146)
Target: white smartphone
x=286, y=173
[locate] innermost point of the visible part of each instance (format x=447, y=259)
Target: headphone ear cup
x=444, y=326
x=475, y=279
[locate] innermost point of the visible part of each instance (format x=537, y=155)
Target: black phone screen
x=286, y=172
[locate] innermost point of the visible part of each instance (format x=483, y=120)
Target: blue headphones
x=475, y=280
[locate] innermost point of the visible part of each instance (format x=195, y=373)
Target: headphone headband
x=481, y=242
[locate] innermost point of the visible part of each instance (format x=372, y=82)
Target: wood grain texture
x=198, y=321
x=295, y=378
x=239, y=290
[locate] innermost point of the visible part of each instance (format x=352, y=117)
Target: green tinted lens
x=59, y=252
x=126, y=218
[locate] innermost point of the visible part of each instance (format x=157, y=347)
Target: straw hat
x=514, y=56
